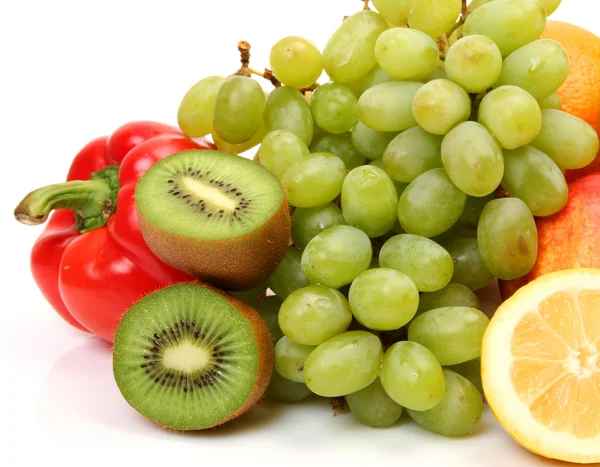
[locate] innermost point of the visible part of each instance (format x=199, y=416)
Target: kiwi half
x=220, y=217
x=190, y=357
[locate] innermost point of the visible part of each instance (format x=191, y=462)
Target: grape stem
x=477, y=98
x=267, y=74
x=443, y=45
x=245, y=70
x=310, y=88
x=461, y=20
x=465, y=11
x=244, y=50
x=339, y=406
x=501, y=192
x=366, y=7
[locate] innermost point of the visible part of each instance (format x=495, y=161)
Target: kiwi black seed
x=217, y=216
x=190, y=357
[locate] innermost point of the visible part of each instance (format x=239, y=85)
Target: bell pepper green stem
x=93, y=201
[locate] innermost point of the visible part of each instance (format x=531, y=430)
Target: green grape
x=459, y=411
x=239, y=109
x=412, y=376
x=373, y=407
x=407, y=54
x=456, y=35
x=383, y=299
x=439, y=73
x=388, y=106
x=394, y=11
x=250, y=296
x=470, y=370
x=350, y=53
x=400, y=187
x=550, y=5
x=473, y=159
x=507, y=238
x=340, y=146
x=308, y=223
x=370, y=143
x=452, y=232
x=397, y=229
x=288, y=276
x=314, y=181
x=476, y=4
x=268, y=309
x=290, y=358
x=376, y=76
x=318, y=134
x=283, y=390
x=451, y=295
x=243, y=147
x=434, y=17
x=195, y=113
x=540, y=67
x=356, y=86
x=344, y=364
x=511, y=115
x=440, y=105
x=472, y=212
x=533, y=177
x=509, y=23
x=296, y=62
x=287, y=109
x=337, y=256
x=412, y=153
x=313, y=314
x=281, y=150
x=431, y=204
x=369, y=200
x=552, y=102
x=333, y=107
x=469, y=269
x=427, y=264
x=474, y=62
x=569, y=141
x=454, y=334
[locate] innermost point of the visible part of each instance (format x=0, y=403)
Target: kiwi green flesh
x=185, y=357
x=208, y=195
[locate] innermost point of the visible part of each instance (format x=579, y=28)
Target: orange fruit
x=540, y=365
x=581, y=91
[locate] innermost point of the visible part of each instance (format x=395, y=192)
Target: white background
x=74, y=70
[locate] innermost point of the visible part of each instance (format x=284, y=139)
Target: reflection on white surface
x=81, y=401
x=81, y=387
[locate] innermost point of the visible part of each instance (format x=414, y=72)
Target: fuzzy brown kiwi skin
x=265, y=349
x=238, y=263
x=266, y=358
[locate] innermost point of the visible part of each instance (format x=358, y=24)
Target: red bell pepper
x=91, y=262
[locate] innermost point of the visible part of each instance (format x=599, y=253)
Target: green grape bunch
x=437, y=136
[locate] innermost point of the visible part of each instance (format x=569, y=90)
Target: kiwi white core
x=211, y=194
x=186, y=357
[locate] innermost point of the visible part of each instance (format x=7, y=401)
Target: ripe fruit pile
x=413, y=178
x=580, y=93
x=352, y=246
